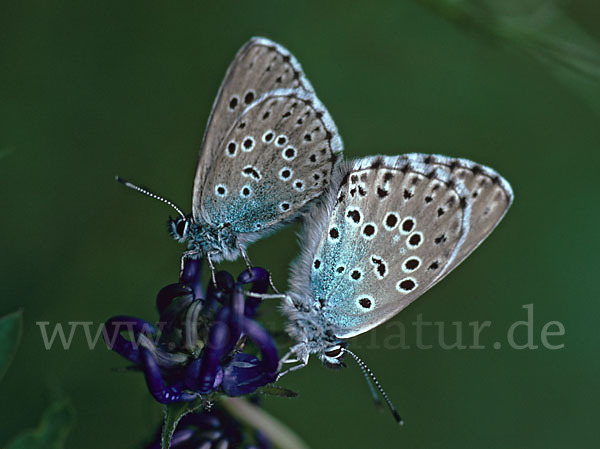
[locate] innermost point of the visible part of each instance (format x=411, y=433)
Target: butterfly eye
x=181, y=227
x=334, y=352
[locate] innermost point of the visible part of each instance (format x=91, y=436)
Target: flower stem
x=280, y=435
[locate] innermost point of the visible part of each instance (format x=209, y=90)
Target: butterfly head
x=332, y=356
x=179, y=228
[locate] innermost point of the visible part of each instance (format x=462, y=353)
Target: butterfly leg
x=211, y=265
x=186, y=255
x=297, y=354
x=273, y=285
x=245, y=256
x=267, y=295
x=290, y=370
x=249, y=266
x=287, y=358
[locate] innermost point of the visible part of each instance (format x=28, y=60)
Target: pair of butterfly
x=378, y=231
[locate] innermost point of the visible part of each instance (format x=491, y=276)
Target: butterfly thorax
x=308, y=326
x=219, y=242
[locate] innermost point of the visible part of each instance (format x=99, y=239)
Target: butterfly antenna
x=374, y=396
x=150, y=194
x=369, y=376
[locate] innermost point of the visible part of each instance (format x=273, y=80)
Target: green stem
x=280, y=435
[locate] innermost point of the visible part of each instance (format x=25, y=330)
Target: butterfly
x=389, y=229
x=269, y=150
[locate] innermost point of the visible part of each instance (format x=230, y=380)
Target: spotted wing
x=397, y=227
x=490, y=197
x=278, y=156
x=259, y=67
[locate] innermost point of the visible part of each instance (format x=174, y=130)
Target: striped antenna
x=150, y=194
x=369, y=376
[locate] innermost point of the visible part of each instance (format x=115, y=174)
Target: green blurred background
x=93, y=89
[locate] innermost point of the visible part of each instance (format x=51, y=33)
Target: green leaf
x=173, y=414
x=11, y=327
x=273, y=390
x=52, y=431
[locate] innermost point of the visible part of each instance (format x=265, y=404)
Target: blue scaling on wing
x=277, y=157
x=393, y=228
x=388, y=239
x=270, y=149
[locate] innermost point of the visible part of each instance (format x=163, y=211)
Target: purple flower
x=198, y=348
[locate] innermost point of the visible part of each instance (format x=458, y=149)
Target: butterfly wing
x=270, y=146
x=278, y=156
x=490, y=197
x=397, y=226
x=259, y=67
